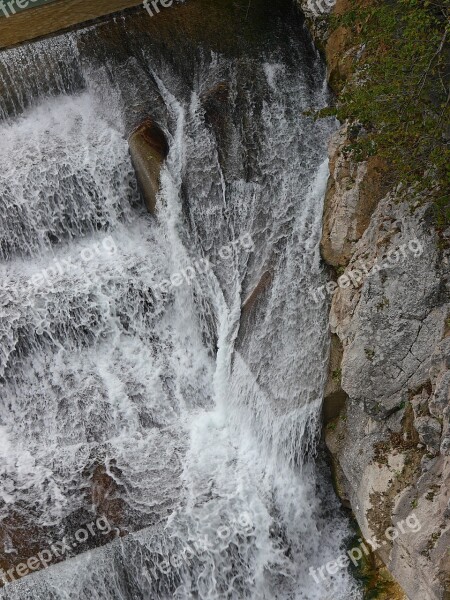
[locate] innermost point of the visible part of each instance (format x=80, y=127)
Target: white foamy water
x=205, y=416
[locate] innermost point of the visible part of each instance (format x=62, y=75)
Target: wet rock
x=215, y=103
x=105, y=495
x=20, y=539
x=148, y=148
x=337, y=44
x=218, y=116
x=258, y=291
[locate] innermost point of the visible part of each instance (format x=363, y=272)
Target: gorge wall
x=386, y=407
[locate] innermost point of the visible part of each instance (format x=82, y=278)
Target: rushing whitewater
x=201, y=416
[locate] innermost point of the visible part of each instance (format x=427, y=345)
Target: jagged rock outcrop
x=391, y=441
x=353, y=192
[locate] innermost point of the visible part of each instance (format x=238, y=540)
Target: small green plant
x=383, y=304
x=337, y=374
x=377, y=408
x=369, y=353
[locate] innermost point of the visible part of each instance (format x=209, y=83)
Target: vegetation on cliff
x=396, y=90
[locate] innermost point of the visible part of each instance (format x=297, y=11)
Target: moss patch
x=391, y=77
x=374, y=578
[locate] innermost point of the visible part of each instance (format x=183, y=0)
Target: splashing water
x=201, y=407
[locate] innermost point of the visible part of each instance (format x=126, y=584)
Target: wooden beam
x=55, y=16
x=8, y=8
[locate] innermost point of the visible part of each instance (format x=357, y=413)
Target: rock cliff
x=387, y=401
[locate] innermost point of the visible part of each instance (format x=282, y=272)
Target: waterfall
x=199, y=408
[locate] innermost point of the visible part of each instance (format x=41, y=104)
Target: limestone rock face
x=391, y=442
x=387, y=400
x=148, y=149
x=336, y=45
x=353, y=192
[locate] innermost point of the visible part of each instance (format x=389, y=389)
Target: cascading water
x=188, y=417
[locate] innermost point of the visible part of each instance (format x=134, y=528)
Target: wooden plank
x=54, y=16
x=8, y=8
